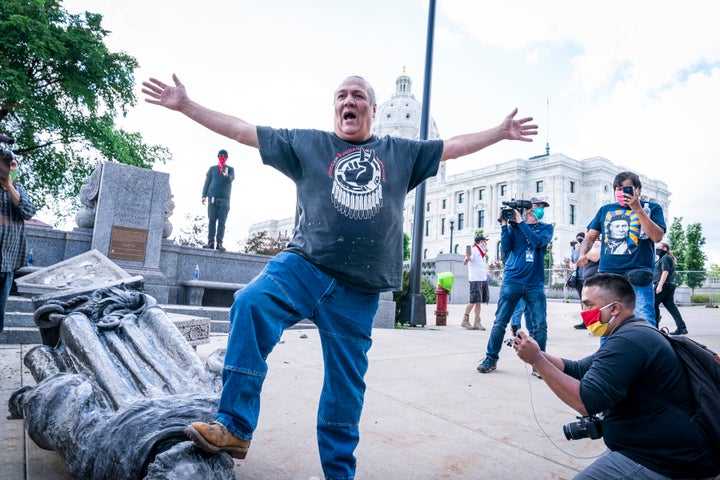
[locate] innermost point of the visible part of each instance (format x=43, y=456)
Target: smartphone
x=468, y=250
x=629, y=190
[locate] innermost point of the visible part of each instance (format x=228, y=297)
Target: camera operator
x=630, y=379
x=525, y=241
x=15, y=208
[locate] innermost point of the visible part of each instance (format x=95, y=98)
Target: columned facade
x=575, y=189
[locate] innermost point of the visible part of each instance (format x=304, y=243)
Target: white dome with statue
x=401, y=115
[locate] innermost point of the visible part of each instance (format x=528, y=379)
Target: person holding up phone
x=15, y=208
x=216, y=192
x=478, y=280
x=628, y=230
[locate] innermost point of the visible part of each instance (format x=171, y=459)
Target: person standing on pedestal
x=216, y=192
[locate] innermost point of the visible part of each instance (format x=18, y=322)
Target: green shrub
x=704, y=298
x=426, y=288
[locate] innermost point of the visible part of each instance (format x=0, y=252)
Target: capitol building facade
x=458, y=205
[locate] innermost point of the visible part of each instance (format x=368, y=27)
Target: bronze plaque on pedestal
x=128, y=243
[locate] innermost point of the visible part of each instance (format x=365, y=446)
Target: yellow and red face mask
x=591, y=319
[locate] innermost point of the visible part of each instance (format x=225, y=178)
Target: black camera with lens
x=585, y=427
x=508, y=210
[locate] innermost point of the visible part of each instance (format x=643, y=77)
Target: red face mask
x=591, y=319
x=221, y=163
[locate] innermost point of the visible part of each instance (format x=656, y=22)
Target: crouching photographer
x=630, y=383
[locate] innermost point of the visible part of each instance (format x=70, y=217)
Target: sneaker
x=478, y=325
x=580, y=326
x=535, y=373
x=487, y=366
x=220, y=247
x=680, y=331
x=214, y=438
x=209, y=245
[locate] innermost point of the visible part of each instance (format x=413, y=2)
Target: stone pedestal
x=452, y=262
x=130, y=216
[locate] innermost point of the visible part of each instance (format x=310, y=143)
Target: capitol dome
x=400, y=116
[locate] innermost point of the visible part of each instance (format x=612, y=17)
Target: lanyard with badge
x=529, y=253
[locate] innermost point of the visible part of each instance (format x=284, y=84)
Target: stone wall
x=177, y=262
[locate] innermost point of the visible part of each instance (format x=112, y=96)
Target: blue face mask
x=539, y=212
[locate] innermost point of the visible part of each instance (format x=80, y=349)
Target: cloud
x=635, y=82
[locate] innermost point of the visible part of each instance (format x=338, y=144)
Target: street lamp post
x=452, y=225
x=413, y=308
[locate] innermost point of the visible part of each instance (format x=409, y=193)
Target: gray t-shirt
x=350, y=199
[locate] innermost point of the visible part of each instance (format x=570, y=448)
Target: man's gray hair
x=370, y=89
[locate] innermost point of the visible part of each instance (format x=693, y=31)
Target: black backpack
x=702, y=367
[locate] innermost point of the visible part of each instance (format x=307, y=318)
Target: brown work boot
x=478, y=325
x=466, y=322
x=209, y=245
x=220, y=247
x=214, y=438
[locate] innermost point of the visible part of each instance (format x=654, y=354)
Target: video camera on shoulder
x=508, y=210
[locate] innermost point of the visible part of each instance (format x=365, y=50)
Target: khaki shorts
x=479, y=292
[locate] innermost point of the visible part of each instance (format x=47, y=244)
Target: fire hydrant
x=441, y=302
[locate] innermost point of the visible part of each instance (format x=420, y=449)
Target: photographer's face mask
x=591, y=319
x=539, y=212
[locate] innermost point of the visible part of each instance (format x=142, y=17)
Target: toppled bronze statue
x=116, y=385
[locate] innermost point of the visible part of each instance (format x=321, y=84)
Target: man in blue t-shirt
x=346, y=249
x=525, y=240
x=628, y=230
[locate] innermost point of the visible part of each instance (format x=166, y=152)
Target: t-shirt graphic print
x=621, y=228
x=357, y=183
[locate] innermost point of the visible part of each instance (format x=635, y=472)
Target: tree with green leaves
x=678, y=245
x=60, y=92
x=694, y=256
x=714, y=270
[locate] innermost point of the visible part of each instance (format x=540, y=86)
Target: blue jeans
x=616, y=465
x=535, y=315
x=516, y=318
x=288, y=290
x=6, y=281
x=645, y=303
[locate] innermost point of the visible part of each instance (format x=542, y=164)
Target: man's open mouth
x=349, y=116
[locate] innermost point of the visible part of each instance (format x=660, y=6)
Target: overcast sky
x=635, y=82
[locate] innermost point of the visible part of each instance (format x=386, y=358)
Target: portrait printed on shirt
x=357, y=183
x=621, y=232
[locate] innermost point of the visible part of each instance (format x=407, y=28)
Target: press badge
x=529, y=255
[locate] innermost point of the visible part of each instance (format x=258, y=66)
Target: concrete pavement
x=428, y=413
